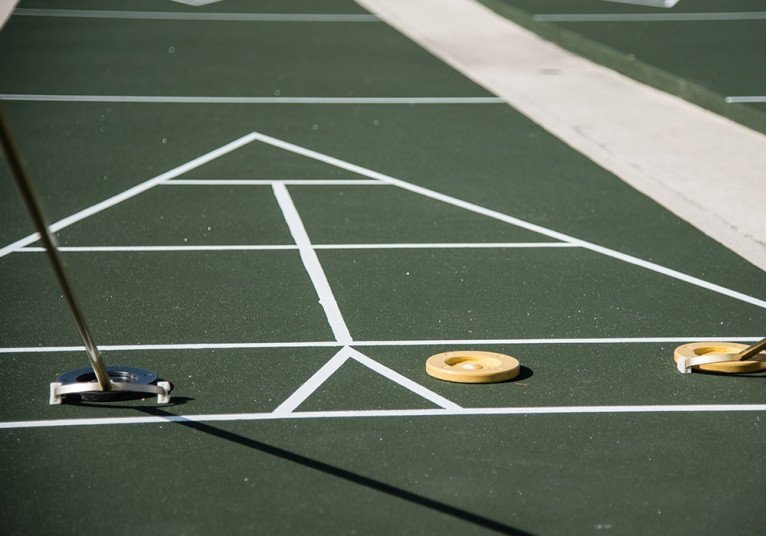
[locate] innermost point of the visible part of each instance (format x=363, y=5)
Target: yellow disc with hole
x=472, y=367
x=699, y=349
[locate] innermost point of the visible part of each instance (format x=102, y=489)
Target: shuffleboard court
x=290, y=266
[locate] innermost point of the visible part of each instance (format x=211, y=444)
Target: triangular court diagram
x=349, y=348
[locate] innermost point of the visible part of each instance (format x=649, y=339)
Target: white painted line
x=277, y=247
x=650, y=17
x=313, y=383
x=311, y=262
x=649, y=3
x=464, y=412
x=329, y=368
x=196, y=3
x=591, y=340
x=456, y=245
x=328, y=344
x=127, y=194
x=270, y=182
x=746, y=99
x=248, y=100
x=402, y=380
x=179, y=15
x=509, y=219
x=180, y=346
x=121, y=249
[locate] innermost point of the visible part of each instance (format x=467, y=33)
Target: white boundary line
x=270, y=182
x=311, y=262
x=650, y=17
x=456, y=245
x=185, y=15
x=331, y=344
x=180, y=346
x=131, y=192
x=179, y=99
x=122, y=249
x=532, y=410
x=509, y=219
x=278, y=247
x=592, y=340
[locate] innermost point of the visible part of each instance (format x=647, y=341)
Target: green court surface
x=707, y=51
x=290, y=265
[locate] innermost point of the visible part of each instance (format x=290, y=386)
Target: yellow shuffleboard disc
x=695, y=350
x=472, y=367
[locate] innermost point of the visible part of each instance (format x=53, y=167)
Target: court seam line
x=373, y=343
x=181, y=99
x=132, y=192
x=284, y=247
x=463, y=412
x=629, y=259
x=311, y=264
x=191, y=16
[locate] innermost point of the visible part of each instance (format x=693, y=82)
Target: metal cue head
x=101, y=383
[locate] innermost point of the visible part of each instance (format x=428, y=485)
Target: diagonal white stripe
x=402, y=380
x=313, y=383
x=311, y=262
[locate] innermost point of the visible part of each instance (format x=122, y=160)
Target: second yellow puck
x=473, y=367
x=693, y=351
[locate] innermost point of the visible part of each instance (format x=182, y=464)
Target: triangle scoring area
x=313, y=384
